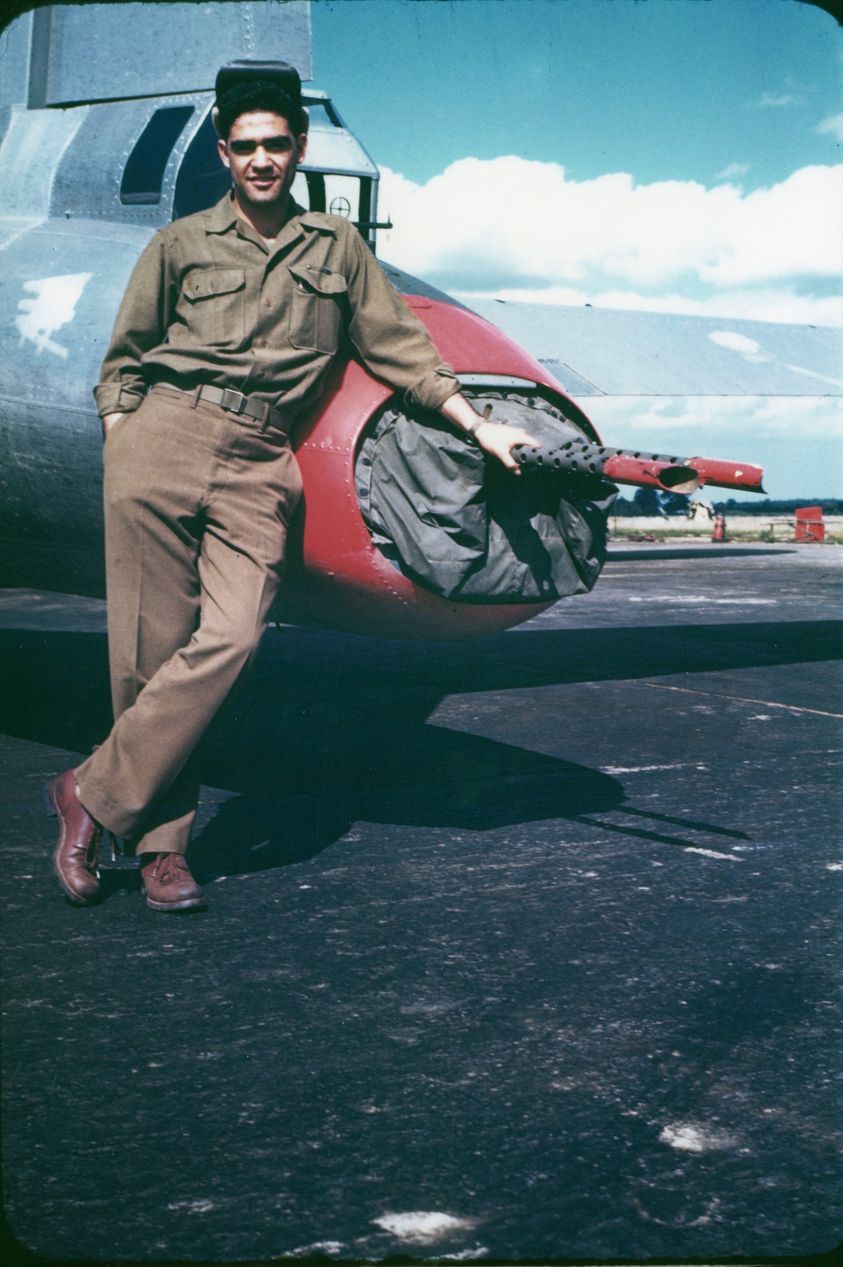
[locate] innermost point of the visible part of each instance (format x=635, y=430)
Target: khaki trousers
x=197, y=506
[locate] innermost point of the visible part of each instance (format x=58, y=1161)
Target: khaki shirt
x=209, y=302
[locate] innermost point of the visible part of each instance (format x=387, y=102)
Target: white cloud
x=764, y=304
x=812, y=418
x=733, y=169
x=776, y=100
x=524, y=224
x=791, y=229
x=833, y=125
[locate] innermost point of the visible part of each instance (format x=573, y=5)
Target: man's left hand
x=499, y=440
x=493, y=437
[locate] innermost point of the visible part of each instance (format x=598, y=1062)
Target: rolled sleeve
x=111, y=398
x=434, y=388
x=391, y=341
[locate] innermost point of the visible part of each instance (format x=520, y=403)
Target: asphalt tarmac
x=524, y=948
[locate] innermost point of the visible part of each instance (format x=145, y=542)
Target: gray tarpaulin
x=458, y=523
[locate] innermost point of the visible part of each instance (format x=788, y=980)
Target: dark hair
x=258, y=95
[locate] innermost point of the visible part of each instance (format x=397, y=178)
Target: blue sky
x=664, y=155
x=676, y=89
x=724, y=116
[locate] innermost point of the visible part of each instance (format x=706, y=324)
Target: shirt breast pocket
x=316, y=309
x=215, y=308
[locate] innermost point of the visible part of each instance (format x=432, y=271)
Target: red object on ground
x=719, y=531
x=810, y=525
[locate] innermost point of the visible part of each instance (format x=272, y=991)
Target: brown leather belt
x=235, y=402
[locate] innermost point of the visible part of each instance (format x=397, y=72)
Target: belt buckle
x=227, y=395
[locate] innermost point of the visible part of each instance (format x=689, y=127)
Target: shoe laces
x=167, y=867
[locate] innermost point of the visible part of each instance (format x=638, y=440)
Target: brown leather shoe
x=76, y=855
x=168, y=884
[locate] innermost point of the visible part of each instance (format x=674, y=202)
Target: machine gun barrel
x=627, y=466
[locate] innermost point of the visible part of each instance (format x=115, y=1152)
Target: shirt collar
x=223, y=216
x=316, y=220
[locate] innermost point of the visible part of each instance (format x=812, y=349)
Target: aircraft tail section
x=60, y=55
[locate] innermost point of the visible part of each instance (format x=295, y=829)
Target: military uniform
x=263, y=319
x=199, y=491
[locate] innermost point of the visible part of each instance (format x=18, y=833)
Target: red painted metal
x=682, y=475
x=472, y=345
x=625, y=468
x=740, y=475
x=340, y=578
x=810, y=525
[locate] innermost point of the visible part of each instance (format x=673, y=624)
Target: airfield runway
x=522, y=948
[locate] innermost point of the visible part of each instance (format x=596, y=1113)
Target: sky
x=679, y=154
x=663, y=155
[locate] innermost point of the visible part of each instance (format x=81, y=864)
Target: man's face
x=262, y=155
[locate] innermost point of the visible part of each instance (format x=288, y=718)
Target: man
x=229, y=324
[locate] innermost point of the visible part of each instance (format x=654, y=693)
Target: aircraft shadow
x=701, y=551
x=332, y=729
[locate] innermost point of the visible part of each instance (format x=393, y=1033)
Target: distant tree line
x=768, y=506
x=675, y=504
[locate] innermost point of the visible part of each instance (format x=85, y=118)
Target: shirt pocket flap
x=214, y=281
x=324, y=283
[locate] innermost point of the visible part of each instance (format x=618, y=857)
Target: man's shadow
x=336, y=730
x=328, y=730
x=331, y=730
x=426, y=777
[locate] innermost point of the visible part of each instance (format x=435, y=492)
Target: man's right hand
x=108, y=422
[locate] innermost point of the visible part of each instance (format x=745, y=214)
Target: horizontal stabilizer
x=609, y=352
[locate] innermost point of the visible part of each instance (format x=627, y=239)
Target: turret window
x=144, y=172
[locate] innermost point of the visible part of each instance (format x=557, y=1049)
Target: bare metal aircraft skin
x=93, y=160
